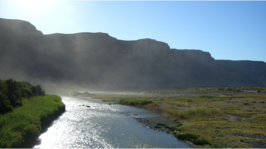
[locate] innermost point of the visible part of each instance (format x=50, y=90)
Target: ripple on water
x=103, y=126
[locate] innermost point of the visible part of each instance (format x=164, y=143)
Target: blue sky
x=231, y=30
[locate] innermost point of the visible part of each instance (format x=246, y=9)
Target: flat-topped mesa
x=143, y=48
x=86, y=35
x=195, y=55
x=152, y=44
x=85, y=41
x=98, y=59
x=18, y=28
x=255, y=70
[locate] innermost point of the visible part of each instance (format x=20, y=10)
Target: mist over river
x=103, y=126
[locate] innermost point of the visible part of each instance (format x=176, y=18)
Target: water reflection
x=102, y=126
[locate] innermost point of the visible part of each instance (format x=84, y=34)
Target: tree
x=3, y=87
x=34, y=90
x=13, y=93
x=26, y=92
x=4, y=104
x=40, y=91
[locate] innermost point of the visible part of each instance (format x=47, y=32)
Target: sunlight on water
x=102, y=126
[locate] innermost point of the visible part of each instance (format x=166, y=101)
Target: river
x=103, y=126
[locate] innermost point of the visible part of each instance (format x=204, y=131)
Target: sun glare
x=34, y=5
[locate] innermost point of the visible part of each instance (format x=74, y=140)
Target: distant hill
x=97, y=59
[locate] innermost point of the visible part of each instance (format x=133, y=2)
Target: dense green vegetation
x=136, y=101
x=26, y=121
x=24, y=109
x=12, y=92
x=223, y=119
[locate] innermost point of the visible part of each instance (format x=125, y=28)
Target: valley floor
x=204, y=117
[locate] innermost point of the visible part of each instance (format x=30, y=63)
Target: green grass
x=137, y=101
x=27, y=121
x=210, y=120
x=133, y=101
x=198, y=111
x=195, y=139
x=208, y=96
x=106, y=98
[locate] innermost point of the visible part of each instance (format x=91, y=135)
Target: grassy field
x=26, y=122
x=210, y=120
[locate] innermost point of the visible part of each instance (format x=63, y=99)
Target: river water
x=103, y=126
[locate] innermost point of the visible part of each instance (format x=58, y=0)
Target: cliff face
x=99, y=59
x=255, y=71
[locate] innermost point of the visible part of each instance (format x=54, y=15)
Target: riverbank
x=22, y=126
x=224, y=121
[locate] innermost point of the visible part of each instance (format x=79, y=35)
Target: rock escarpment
x=97, y=59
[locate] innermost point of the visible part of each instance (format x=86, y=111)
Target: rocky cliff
x=99, y=59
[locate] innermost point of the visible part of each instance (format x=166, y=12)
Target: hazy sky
x=226, y=29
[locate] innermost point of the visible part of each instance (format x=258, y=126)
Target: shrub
x=34, y=90
x=198, y=111
x=228, y=89
x=26, y=93
x=178, y=124
x=3, y=87
x=26, y=121
x=191, y=112
x=237, y=90
x=13, y=91
x=208, y=96
x=185, y=136
x=40, y=91
x=220, y=88
x=135, y=101
x=214, y=112
x=259, y=90
x=199, y=141
x=181, y=115
x=191, y=137
x=4, y=104
x=14, y=100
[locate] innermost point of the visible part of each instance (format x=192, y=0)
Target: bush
x=191, y=137
x=3, y=87
x=26, y=122
x=220, y=88
x=181, y=115
x=198, y=111
x=208, y=96
x=228, y=89
x=214, y=112
x=13, y=91
x=40, y=91
x=34, y=90
x=185, y=136
x=135, y=101
x=259, y=90
x=237, y=90
x=199, y=141
x=14, y=100
x=191, y=112
x=4, y=104
x=26, y=93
